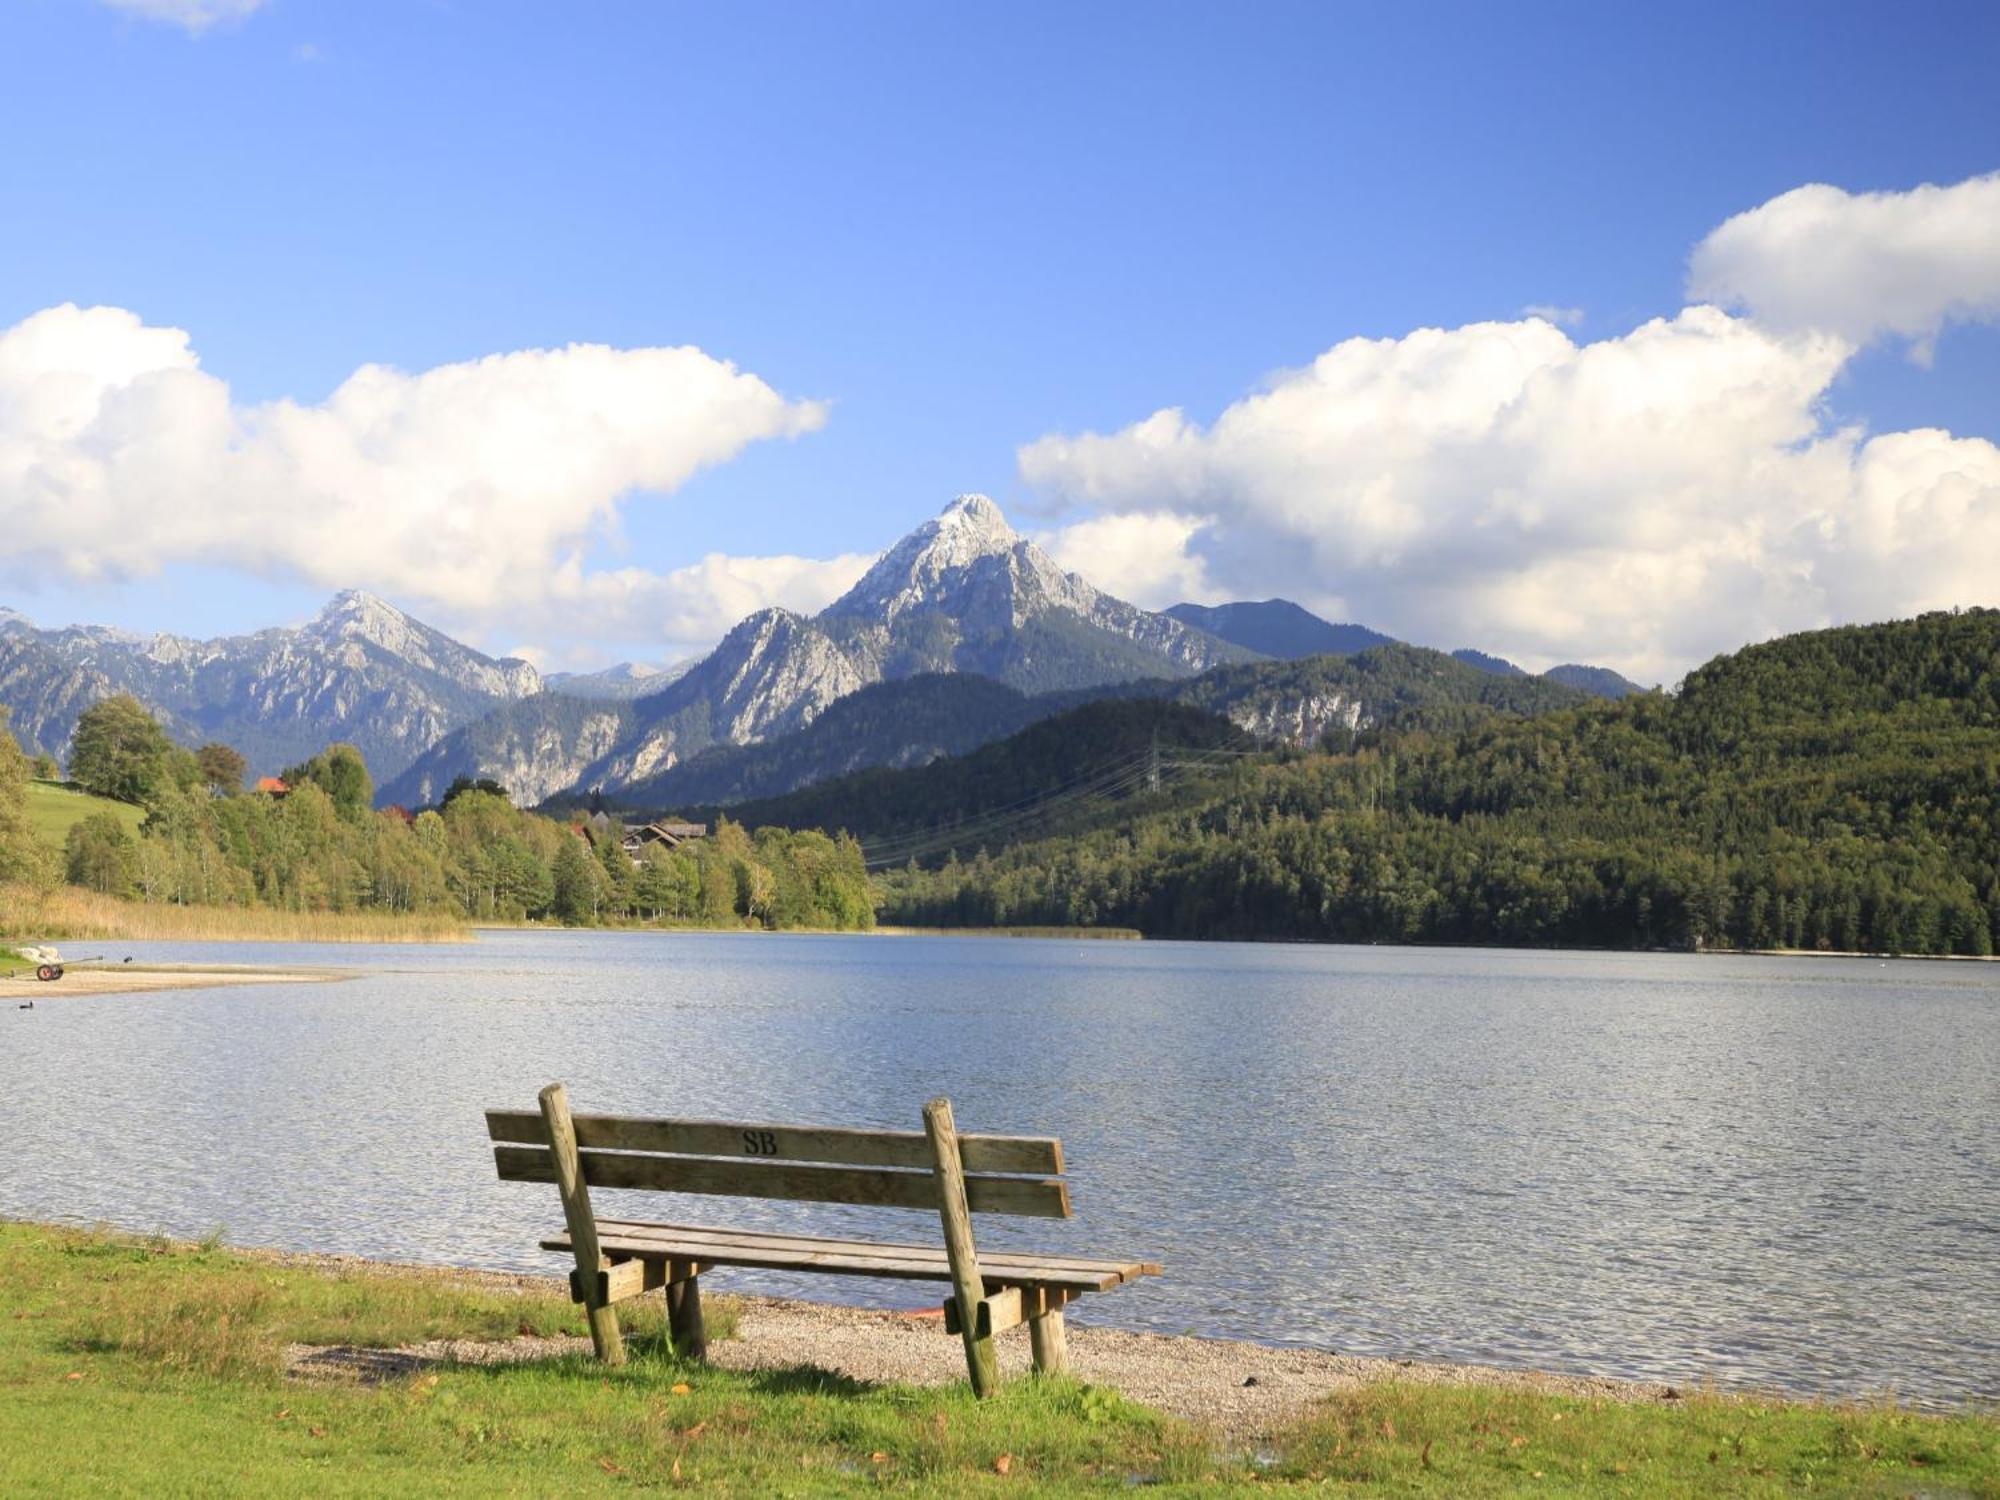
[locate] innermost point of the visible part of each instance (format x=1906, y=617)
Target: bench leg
x=981, y=1362
x=684, y=1323
x=1050, y=1342
x=603, y=1318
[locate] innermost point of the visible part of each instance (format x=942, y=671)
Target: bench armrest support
x=603, y=1317
x=967, y=1286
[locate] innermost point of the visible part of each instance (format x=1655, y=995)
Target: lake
x=1757, y=1171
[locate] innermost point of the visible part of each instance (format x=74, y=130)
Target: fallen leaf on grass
x=317, y=1431
x=74, y=1375
x=878, y=1457
x=1003, y=1463
x=609, y=1467
x=694, y=1432
x=284, y=1415
x=682, y=1389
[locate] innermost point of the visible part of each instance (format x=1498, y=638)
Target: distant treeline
x=322, y=847
x=1836, y=790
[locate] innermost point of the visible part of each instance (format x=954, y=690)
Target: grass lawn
x=143, y=1366
x=53, y=807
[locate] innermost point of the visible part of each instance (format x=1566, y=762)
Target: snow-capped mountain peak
x=932, y=562
x=355, y=613
x=975, y=522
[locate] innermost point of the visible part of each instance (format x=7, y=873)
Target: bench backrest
x=1004, y=1174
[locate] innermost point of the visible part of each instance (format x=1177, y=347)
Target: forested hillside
x=319, y=846
x=1074, y=764
x=908, y=722
x=1836, y=790
x=1300, y=702
x=915, y=720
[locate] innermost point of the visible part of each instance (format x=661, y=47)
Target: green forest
x=322, y=846
x=1838, y=790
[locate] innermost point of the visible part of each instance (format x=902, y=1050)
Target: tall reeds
x=65, y=912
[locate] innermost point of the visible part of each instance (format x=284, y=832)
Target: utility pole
x=1153, y=764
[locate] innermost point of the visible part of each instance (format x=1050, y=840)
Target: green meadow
x=134, y=1365
x=54, y=806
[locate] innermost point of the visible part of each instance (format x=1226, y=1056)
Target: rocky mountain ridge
x=360, y=670
x=963, y=592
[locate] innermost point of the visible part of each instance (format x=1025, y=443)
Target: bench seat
x=626, y=1239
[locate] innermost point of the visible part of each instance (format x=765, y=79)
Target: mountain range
x=963, y=593
x=961, y=633
x=360, y=671
x=1280, y=628
x=625, y=681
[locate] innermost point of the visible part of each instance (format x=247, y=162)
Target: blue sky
x=961, y=229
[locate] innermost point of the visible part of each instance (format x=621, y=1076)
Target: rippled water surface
x=1773, y=1171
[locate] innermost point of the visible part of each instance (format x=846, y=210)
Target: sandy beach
x=129, y=979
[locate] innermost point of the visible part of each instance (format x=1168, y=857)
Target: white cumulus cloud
x=1861, y=265
x=196, y=16
x=475, y=489
x=1136, y=554
x=1642, y=501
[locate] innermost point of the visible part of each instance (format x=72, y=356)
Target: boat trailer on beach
x=46, y=962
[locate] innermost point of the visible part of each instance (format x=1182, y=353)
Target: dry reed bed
x=66, y=913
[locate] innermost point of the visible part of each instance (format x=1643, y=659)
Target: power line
x=1104, y=781
x=1149, y=769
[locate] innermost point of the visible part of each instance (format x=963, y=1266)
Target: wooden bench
x=936, y=1168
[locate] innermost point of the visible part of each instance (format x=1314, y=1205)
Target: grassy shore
x=29, y=913
x=56, y=806
x=144, y=1366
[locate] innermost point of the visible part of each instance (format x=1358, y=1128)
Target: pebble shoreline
x=1239, y=1388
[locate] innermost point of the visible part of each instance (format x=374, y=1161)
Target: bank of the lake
x=184, y=1368
x=65, y=913
x=1756, y=1172
x=135, y=979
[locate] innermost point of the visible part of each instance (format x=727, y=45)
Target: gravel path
x=1240, y=1389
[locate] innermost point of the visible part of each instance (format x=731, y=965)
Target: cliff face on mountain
x=962, y=593
x=360, y=671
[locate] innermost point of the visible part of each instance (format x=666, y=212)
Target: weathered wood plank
x=618, y=1282
x=998, y=1312
x=1037, y=1197
x=989, y=1260
x=915, y=1261
x=899, y=1268
x=955, y=1213
x=762, y=1141
x=565, y=1171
